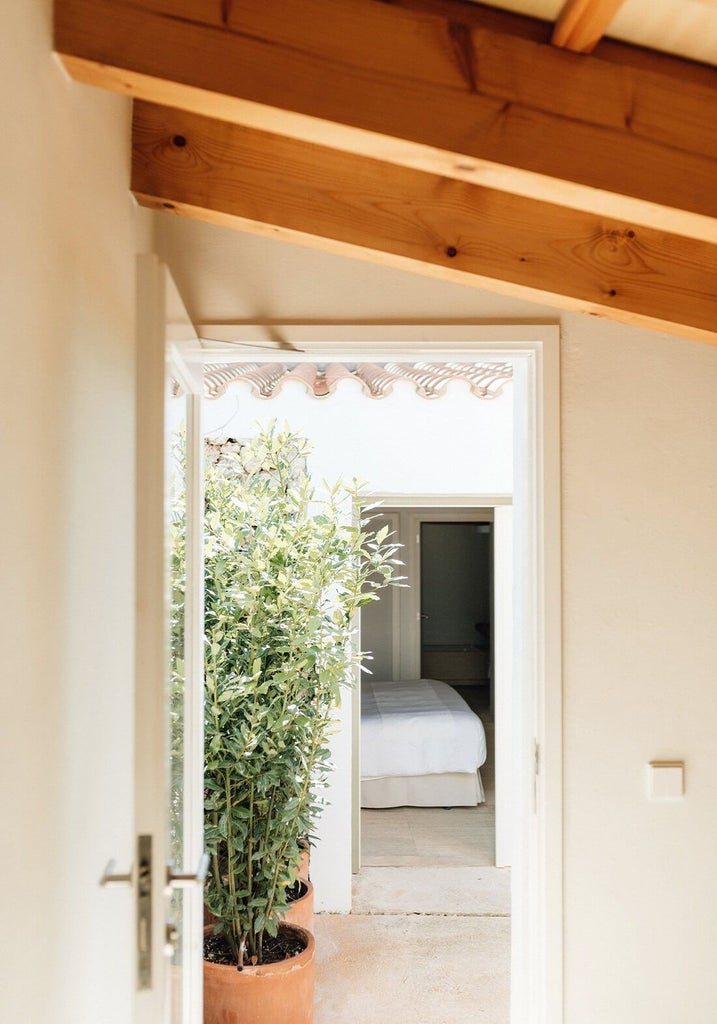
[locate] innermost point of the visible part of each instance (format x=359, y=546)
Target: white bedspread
x=417, y=727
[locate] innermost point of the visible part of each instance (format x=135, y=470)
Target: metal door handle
x=139, y=876
x=182, y=881
x=110, y=878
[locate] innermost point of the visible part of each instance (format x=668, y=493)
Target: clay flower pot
x=301, y=911
x=303, y=869
x=281, y=993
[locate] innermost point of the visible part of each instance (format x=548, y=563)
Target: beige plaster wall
x=69, y=235
x=640, y=650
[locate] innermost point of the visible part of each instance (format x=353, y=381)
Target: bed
x=421, y=746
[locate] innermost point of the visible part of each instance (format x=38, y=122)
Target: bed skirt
x=454, y=789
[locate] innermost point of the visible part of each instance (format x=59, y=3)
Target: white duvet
x=417, y=727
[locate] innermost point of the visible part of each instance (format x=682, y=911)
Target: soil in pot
x=279, y=947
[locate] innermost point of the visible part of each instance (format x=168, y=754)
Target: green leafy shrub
x=285, y=573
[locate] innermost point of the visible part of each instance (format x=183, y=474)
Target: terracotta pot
x=301, y=911
x=280, y=993
x=303, y=869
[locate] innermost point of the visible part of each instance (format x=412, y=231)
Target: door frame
x=534, y=351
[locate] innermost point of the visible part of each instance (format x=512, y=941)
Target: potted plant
x=285, y=573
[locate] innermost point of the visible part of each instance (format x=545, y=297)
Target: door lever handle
x=182, y=881
x=109, y=878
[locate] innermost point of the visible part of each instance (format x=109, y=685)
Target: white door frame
x=537, y=925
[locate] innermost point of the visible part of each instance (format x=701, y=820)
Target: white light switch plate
x=665, y=780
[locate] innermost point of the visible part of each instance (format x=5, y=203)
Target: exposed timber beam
x=439, y=86
x=360, y=206
x=581, y=24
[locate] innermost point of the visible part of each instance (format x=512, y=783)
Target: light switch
x=665, y=780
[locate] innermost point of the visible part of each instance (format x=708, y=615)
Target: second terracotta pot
x=301, y=911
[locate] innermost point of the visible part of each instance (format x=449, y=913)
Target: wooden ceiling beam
x=581, y=24
x=362, y=207
x=438, y=86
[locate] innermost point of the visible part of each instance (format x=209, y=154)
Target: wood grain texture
x=272, y=185
x=440, y=87
x=581, y=24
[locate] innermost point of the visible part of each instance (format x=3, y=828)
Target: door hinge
x=536, y=758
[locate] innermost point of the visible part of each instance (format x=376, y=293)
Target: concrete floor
x=476, y=892
x=423, y=945
x=422, y=969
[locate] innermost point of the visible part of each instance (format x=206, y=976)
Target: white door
x=168, y=659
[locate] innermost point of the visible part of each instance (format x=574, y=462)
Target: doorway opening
x=439, y=630
x=535, y=808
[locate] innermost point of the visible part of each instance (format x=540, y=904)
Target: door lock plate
x=144, y=912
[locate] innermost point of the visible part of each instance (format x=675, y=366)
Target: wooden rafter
x=439, y=85
x=581, y=24
x=431, y=134
x=275, y=186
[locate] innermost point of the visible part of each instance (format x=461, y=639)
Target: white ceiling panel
x=686, y=28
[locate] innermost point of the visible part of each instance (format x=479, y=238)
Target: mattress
x=418, y=727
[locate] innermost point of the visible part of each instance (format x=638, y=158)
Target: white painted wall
x=66, y=454
x=401, y=444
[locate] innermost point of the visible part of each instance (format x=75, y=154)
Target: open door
x=168, y=871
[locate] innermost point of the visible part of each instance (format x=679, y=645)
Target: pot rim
x=292, y=963
x=309, y=890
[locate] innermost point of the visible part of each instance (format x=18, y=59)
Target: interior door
x=185, y=496
x=455, y=596
x=168, y=658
